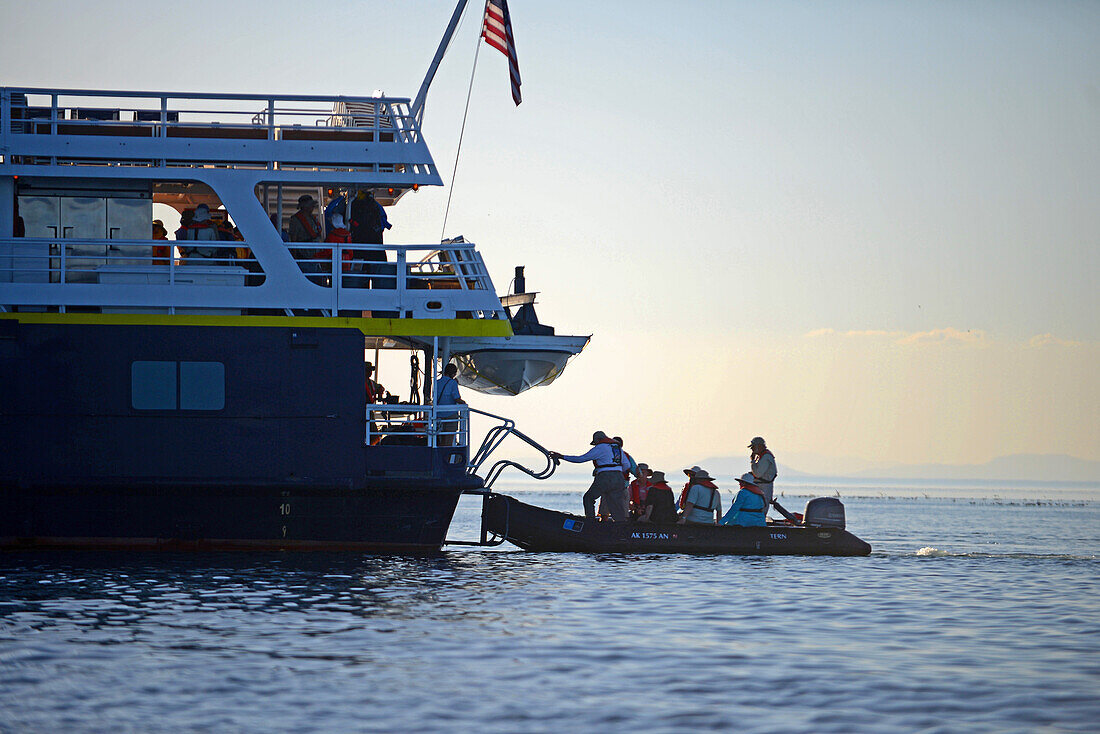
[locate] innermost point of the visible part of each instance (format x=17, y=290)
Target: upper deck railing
x=274, y=132
x=445, y=281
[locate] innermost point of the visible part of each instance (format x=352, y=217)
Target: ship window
x=153, y=385
x=177, y=385
x=202, y=385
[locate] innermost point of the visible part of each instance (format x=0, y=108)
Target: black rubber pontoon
x=538, y=529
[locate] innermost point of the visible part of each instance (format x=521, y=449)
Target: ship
x=157, y=395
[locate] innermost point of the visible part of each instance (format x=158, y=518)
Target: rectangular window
x=202, y=385
x=177, y=385
x=153, y=385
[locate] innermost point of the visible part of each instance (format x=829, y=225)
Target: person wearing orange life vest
x=609, y=463
x=763, y=468
x=375, y=392
x=702, y=501
x=749, y=508
x=160, y=252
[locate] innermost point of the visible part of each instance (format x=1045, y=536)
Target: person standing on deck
x=703, y=502
x=609, y=463
x=633, y=469
x=446, y=393
x=305, y=227
x=201, y=228
x=367, y=223
x=762, y=466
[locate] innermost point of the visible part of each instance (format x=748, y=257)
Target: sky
x=858, y=229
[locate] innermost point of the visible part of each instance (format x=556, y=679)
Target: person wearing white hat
x=703, y=501
x=762, y=466
x=609, y=464
x=749, y=508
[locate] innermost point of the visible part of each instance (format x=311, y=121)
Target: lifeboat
x=533, y=357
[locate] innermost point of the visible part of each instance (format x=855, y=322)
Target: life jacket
x=702, y=483
x=371, y=394
x=191, y=233
x=776, y=476
x=308, y=224
x=191, y=229
x=338, y=236
x=616, y=456
x=638, y=490
x=759, y=493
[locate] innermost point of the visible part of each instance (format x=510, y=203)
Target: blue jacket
x=740, y=513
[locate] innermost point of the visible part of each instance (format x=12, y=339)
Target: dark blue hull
x=268, y=453
x=396, y=519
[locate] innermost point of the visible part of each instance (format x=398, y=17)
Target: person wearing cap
x=305, y=227
x=659, y=506
x=703, y=501
x=762, y=466
x=749, y=508
x=609, y=463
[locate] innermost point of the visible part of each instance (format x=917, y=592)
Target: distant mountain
x=1029, y=467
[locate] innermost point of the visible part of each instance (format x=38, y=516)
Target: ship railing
x=425, y=281
x=494, y=437
x=410, y=424
x=80, y=125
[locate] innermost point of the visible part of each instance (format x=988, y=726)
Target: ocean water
x=979, y=610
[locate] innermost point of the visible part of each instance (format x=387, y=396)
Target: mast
x=417, y=109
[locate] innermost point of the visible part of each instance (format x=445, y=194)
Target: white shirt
x=763, y=468
x=604, y=458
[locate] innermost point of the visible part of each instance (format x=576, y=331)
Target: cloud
x=970, y=336
x=1048, y=340
x=933, y=336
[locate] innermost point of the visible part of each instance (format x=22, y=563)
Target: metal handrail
x=493, y=438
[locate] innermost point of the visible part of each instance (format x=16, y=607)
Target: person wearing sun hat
x=703, y=502
x=609, y=463
x=762, y=466
x=659, y=506
x=749, y=508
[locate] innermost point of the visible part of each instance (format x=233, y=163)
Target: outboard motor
x=824, y=512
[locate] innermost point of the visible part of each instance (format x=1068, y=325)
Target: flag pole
x=462, y=132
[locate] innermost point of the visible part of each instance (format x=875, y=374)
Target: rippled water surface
x=971, y=615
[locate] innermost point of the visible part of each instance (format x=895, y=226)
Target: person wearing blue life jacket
x=749, y=507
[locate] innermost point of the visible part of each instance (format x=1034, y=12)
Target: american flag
x=496, y=29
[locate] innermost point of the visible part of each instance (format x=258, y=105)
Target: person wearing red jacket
x=638, y=489
x=338, y=235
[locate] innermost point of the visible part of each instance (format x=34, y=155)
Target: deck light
x=416, y=187
x=390, y=191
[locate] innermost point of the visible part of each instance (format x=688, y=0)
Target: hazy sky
x=858, y=229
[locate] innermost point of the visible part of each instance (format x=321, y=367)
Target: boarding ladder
x=494, y=437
